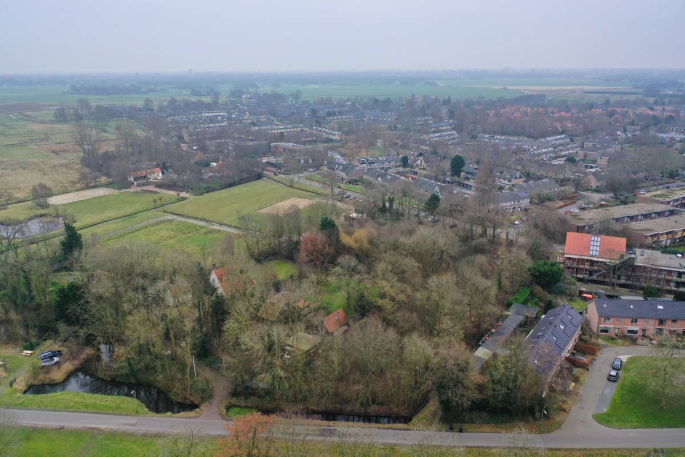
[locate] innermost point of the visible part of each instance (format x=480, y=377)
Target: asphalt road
x=579, y=431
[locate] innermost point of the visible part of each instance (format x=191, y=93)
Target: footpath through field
x=171, y=217
x=579, y=431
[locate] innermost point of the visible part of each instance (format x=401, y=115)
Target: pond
x=33, y=227
x=153, y=398
x=335, y=417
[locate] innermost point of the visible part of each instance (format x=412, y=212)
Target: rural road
x=579, y=431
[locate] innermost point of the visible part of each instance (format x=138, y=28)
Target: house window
x=632, y=331
x=607, y=320
x=674, y=321
x=633, y=320
x=662, y=322
x=605, y=330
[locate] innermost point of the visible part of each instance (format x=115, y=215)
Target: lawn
x=94, y=210
x=74, y=401
x=237, y=412
x=282, y=269
x=176, y=236
x=226, y=206
x=353, y=188
x=12, y=363
x=637, y=405
x=578, y=304
x=86, y=443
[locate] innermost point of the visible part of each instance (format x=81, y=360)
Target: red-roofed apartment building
x=586, y=255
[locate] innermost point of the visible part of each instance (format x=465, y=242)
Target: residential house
x=303, y=342
x=636, y=317
x=144, y=175
x=273, y=306
x=508, y=177
x=226, y=279
x=596, y=220
x=336, y=322
x=552, y=340
x=545, y=186
x=513, y=201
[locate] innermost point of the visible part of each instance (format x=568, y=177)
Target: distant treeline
x=123, y=89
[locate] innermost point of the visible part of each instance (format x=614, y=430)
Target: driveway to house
x=579, y=431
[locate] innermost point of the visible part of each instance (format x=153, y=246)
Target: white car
x=641, y=192
x=50, y=362
x=575, y=210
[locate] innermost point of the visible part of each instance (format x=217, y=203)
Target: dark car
x=613, y=376
x=49, y=354
x=50, y=361
x=617, y=364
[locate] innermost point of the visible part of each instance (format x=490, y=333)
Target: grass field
x=226, y=206
x=106, y=228
x=175, y=236
x=31, y=152
x=637, y=405
x=51, y=95
x=82, y=443
x=73, y=401
x=455, y=88
x=94, y=210
x=302, y=184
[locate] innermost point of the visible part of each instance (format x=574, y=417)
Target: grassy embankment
x=74, y=401
x=636, y=404
x=226, y=206
x=68, y=443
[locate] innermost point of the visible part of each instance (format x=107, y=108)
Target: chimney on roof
x=213, y=266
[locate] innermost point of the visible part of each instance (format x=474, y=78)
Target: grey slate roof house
x=553, y=339
x=638, y=318
x=513, y=201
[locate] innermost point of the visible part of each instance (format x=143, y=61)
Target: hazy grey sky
x=299, y=35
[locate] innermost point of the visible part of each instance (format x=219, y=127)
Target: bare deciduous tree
x=87, y=139
x=126, y=131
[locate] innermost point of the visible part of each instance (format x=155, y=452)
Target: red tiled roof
x=146, y=173
x=610, y=247
x=336, y=320
x=231, y=279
